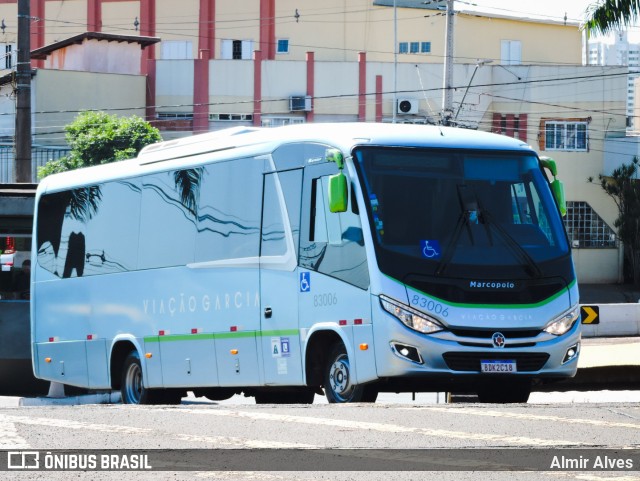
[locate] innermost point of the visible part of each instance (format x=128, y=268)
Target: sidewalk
x=609, y=351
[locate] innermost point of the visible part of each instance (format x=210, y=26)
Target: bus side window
x=229, y=210
x=273, y=228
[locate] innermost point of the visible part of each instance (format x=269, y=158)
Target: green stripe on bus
x=221, y=335
x=492, y=306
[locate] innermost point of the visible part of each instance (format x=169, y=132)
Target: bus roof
x=248, y=141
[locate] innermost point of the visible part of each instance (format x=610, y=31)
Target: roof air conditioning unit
x=300, y=103
x=407, y=106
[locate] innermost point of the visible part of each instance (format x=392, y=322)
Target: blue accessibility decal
x=430, y=249
x=305, y=281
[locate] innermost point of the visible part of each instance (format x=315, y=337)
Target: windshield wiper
x=530, y=266
x=467, y=202
x=472, y=211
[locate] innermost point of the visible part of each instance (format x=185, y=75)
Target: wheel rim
x=340, y=379
x=133, y=384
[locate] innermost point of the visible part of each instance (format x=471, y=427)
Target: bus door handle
x=268, y=313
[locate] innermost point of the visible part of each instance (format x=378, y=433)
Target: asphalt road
x=541, y=431
x=505, y=432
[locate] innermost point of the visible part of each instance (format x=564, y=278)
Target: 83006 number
x=430, y=305
x=322, y=300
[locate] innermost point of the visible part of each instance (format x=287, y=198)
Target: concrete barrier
x=614, y=320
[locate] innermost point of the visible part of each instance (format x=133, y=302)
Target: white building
x=619, y=51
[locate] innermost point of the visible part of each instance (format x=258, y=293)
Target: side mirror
x=338, y=193
x=557, y=187
x=549, y=163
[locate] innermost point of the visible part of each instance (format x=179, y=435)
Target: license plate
x=500, y=366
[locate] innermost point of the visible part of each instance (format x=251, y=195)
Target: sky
x=575, y=9
x=551, y=9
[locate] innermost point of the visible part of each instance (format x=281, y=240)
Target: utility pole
x=22, y=163
x=395, y=61
x=447, y=87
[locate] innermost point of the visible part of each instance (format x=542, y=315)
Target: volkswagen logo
x=498, y=339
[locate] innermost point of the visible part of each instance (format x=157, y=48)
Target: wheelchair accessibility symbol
x=305, y=281
x=430, y=249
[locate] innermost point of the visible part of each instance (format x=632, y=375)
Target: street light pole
x=447, y=88
x=395, y=61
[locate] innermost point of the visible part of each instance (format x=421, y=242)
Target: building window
x=231, y=117
x=511, y=125
x=414, y=47
x=280, y=121
x=585, y=227
x=236, y=49
x=510, y=52
x=565, y=135
x=8, y=60
x=283, y=45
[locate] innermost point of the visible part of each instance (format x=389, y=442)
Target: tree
x=624, y=188
x=98, y=138
x=609, y=15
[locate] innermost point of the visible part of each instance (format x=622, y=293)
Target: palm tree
x=609, y=15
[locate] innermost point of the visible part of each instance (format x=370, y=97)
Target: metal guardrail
x=40, y=155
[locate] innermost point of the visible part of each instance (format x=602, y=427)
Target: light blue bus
x=337, y=259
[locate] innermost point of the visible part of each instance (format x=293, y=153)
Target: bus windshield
x=458, y=212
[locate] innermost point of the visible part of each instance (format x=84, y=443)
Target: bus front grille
x=470, y=361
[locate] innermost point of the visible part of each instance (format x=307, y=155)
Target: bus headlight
x=410, y=317
x=564, y=323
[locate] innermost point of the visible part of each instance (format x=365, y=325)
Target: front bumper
x=537, y=354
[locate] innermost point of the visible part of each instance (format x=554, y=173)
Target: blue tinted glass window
x=168, y=218
x=283, y=45
x=229, y=210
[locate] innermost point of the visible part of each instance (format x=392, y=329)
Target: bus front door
x=279, y=286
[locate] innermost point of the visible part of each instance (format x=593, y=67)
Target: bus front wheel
x=339, y=386
x=133, y=390
x=131, y=387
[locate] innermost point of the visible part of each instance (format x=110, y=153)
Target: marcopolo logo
x=502, y=285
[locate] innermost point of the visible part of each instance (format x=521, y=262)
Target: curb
x=102, y=398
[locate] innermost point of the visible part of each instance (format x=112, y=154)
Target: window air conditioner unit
x=407, y=106
x=300, y=103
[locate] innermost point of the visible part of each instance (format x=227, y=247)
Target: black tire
x=338, y=379
x=296, y=396
x=505, y=392
x=132, y=386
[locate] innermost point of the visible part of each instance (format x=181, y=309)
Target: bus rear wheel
x=339, y=384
